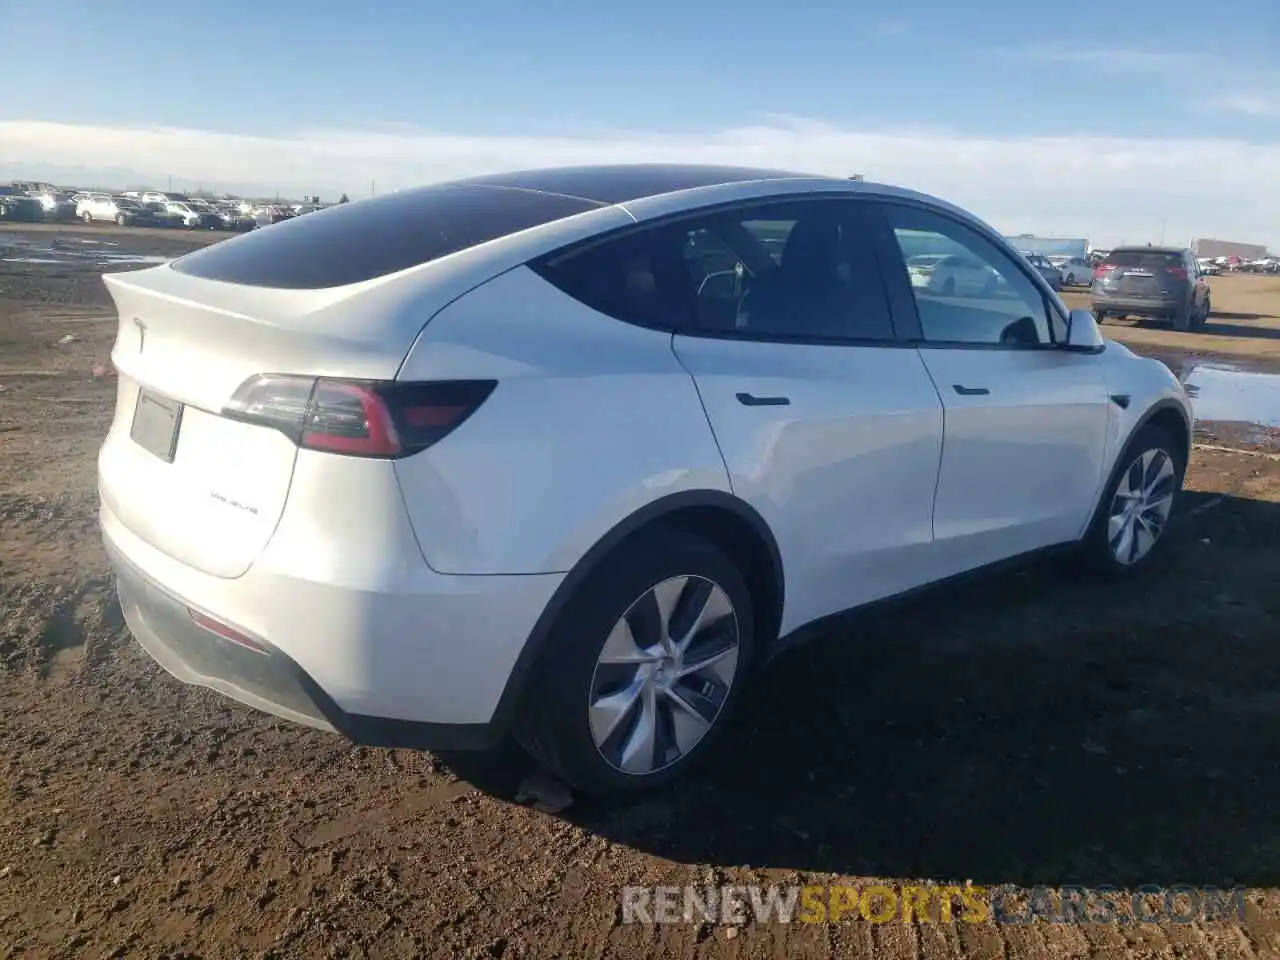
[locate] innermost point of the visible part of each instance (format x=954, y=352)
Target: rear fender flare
x=650, y=515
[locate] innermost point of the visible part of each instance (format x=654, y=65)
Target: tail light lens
x=1179, y=273
x=1102, y=269
x=359, y=418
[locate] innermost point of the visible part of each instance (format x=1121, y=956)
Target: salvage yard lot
x=1032, y=727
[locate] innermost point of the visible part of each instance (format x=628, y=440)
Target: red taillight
x=1102, y=269
x=1178, y=272
x=361, y=418
x=349, y=418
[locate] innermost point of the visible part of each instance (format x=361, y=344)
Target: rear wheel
x=120, y=220
x=1183, y=318
x=1202, y=317
x=642, y=668
x=1134, y=511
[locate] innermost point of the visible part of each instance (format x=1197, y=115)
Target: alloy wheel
x=1141, y=505
x=664, y=675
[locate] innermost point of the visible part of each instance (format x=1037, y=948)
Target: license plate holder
x=157, y=421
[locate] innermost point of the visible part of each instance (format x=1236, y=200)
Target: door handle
x=969, y=391
x=749, y=400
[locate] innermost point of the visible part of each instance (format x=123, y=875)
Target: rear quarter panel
x=591, y=420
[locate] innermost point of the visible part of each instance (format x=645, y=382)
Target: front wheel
x=643, y=668
x=1134, y=510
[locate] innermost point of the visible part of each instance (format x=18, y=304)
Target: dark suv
x=1152, y=283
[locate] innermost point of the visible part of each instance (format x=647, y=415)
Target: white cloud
x=887, y=29
x=1185, y=73
x=1111, y=59
x=1249, y=104
x=1109, y=189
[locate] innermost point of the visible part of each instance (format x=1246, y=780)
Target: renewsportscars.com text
x=738, y=904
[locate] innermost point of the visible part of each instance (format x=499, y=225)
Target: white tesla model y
x=566, y=454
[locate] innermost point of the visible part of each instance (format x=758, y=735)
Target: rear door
x=829, y=426
x=1026, y=423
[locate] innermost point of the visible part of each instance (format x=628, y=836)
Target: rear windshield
x=1145, y=258
x=351, y=242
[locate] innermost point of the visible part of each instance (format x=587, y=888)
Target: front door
x=1025, y=423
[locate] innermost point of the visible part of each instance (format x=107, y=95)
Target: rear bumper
x=427, y=670
x=1137, y=307
x=163, y=625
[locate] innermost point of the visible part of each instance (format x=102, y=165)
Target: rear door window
x=352, y=242
x=1145, y=260
x=781, y=271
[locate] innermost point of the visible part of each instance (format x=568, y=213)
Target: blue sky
x=352, y=93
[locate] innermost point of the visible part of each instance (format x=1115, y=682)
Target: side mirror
x=1083, y=335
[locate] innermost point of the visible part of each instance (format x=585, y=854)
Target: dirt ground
x=1030, y=728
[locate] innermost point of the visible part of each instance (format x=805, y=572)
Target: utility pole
x=171, y=183
x=1163, y=223
x=373, y=188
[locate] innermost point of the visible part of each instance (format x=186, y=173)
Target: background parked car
x=1075, y=271
x=1045, y=268
x=1161, y=283
x=956, y=274
x=195, y=216
x=163, y=216
x=233, y=219
x=102, y=207
x=15, y=206
x=58, y=206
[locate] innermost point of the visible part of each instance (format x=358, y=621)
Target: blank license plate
x=156, y=422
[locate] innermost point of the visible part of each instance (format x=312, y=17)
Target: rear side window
x=1145, y=258
x=352, y=242
x=803, y=271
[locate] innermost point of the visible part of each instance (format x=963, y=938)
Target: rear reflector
x=359, y=418
x=230, y=634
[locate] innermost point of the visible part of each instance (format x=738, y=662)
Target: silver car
x=1045, y=268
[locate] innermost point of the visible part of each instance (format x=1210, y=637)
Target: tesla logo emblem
x=142, y=334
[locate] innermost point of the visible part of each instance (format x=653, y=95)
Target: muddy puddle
x=61, y=251
x=1234, y=407
x=1223, y=392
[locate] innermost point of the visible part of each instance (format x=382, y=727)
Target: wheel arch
x=725, y=520
x=1168, y=414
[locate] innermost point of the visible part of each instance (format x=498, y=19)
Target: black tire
x=1096, y=546
x=1099, y=317
x=553, y=726
x=1183, y=319
x=120, y=220
x=1202, y=316
x=87, y=218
